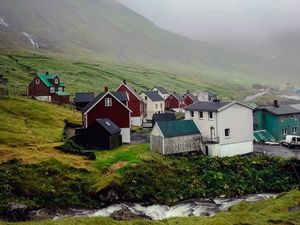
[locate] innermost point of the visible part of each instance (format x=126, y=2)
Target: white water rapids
x=196, y=207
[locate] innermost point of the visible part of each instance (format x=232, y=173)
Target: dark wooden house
x=175, y=102
x=163, y=117
x=190, y=98
x=82, y=99
x=103, y=134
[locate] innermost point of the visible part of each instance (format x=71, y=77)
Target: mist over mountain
x=109, y=30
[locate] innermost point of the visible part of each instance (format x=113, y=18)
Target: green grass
x=29, y=122
x=265, y=212
x=93, y=76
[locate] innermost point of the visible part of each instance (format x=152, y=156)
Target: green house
x=278, y=120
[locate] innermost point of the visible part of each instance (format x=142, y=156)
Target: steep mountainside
x=107, y=30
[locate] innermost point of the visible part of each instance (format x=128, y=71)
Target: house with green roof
x=278, y=120
x=48, y=87
x=173, y=137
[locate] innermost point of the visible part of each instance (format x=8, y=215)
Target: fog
x=224, y=22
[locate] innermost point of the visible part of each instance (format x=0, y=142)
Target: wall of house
x=60, y=99
x=38, y=89
x=239, y=120
x=182, y=144
x=258, y=120
x=137, y=121
x=271, y=124
x=116, y=113
x=125, y=132
x=164, y=96
x=233, y=149
x=204, y=124
x=187, y=100
x=157, y=144
x=172, y=102
x=153, y=107
x=134, y=104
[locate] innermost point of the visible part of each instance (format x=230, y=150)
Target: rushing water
x=195, y=207
x=30, y=38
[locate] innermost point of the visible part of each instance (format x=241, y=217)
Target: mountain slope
x=107, y=30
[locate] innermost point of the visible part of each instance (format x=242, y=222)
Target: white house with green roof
x=173, y=137
x=45, y=85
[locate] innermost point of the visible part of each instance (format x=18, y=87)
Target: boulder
x=127, y=214
x=15, y=212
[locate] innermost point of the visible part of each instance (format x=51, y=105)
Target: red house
x=48, y=87
x=110, y=105
x=135, y=104
x=175, y=102
x=189, y=98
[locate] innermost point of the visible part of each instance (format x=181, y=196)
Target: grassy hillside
x=87, y=76
x=266, y=212
x=107, y=30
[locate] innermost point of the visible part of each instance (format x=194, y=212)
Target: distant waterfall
x=34, y=44
x=2, y=22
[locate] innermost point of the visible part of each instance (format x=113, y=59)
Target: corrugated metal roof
x=84, y=96
x=91, y=103
x=178, y=128
x=207, y=106
x=193, y=97
x=263, y=135
x=62, y=93
x=178, y=96
x=47, y=77
x=121, y=95
x=153, y=95
x=108, y=125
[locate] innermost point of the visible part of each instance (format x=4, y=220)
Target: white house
x=155, y=104
x=161, y=91
x=226, y=127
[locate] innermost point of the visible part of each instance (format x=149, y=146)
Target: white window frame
x=108, y=102
x=52, y=89
x=60, y=89
x=284, y=131
x=56, y=81
x=294, y=130
x=37, y=81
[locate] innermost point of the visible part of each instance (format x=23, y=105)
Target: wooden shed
x=103, y=134
x=173, y=137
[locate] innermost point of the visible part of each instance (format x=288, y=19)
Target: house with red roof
x=112, y=106
x=48, y=87
x=135, y=104
x=175, y=102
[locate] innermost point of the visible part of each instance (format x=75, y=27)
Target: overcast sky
x=231, y=19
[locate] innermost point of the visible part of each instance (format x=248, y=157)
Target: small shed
x=60, y=97
x=82, y=99
x=103, y=134
x=173, y=137
x=163, y=117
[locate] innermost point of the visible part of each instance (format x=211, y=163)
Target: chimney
x=124, y=82
x=187, y=91
x=47, y=73
x=276, y=104
x=106, y=89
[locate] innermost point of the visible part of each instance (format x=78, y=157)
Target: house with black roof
x=226, y=127
x=161, y=91
x=155, y=104
x=103, y=134
x=82, y=99
x=278, y=120
x=162, y=117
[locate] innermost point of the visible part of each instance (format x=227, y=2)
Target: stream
x=194, y=207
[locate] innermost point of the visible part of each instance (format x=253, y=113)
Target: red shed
x=175, y=102
x=107, y=105
x=189, y=98
x=135, y=104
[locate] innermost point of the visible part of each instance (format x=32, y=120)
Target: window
x=281, y=119
x=284, y=131
x=37, y=81
x=200, y=115
x=60, y=89
x=156, y=106
x=56, y=81
x=52, y=89
x=108, y=102
x=295, y=130
x=161, y=105
x=210, y=115
x=146, y=98
x=227, y=132
x=192, y=114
